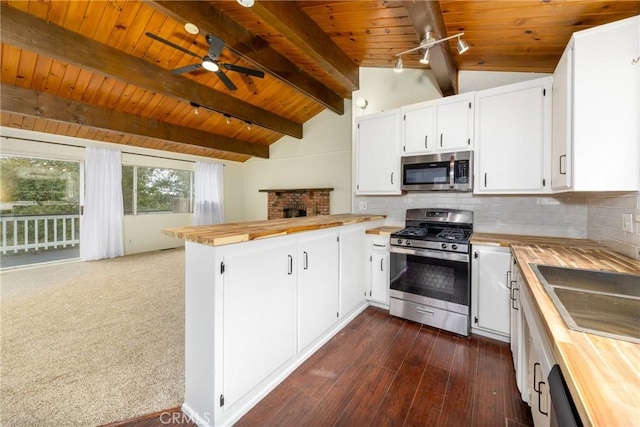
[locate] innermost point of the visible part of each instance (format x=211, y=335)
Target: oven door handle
x=427, y=253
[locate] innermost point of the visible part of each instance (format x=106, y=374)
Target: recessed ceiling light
x=246, y=3
x=191, y=28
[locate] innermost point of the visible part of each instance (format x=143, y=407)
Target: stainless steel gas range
x=430, y=269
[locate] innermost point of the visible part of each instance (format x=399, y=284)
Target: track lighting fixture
x=425, y=57
x=227, y=118
x=248, y=125
x=428, y=42
x=398, y=65
x=462, y=46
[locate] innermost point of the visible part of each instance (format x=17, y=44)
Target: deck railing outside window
x=39, y=232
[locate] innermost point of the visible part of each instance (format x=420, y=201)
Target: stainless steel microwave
x=440, y=171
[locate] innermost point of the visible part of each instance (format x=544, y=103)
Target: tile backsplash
x=604, y=222
x=558, y=216
x=596, y=217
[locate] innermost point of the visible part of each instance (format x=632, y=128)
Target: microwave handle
x=452, y=165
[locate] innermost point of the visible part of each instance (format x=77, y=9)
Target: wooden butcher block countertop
x=236, y=232
x=603, y=374
x=385, y=230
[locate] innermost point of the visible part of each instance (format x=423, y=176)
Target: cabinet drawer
x=426, y=314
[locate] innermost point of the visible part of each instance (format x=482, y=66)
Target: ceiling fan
x=210, y=61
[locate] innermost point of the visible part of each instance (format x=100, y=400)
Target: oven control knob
x=399, y=241
x=454, y=247
x=444, y=246
x=408, y=243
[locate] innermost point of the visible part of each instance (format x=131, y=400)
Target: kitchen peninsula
x=260, y=298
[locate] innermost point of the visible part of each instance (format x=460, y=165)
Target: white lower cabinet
x=518, y=334
x=539, y=355
x=259, y=316
x=378, y=271
x=318, y=305
x=256, y=310
x=353, y=272
x=490, y=293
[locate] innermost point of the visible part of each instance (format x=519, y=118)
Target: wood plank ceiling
x=86, y=68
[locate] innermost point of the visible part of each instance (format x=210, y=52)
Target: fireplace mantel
x=293, y=190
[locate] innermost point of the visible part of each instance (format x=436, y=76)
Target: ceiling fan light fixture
x=246, y=3
x=425, y=57
x=210, y=65
x=462, y=46
x=398, y=65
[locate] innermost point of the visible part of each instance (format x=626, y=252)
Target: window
x=153, y=190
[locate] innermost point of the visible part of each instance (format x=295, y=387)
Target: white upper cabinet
x=444, y=124
x=513, y=138
x=418, y=128
x=596, y=110
x=378, y=139
x=454, y=123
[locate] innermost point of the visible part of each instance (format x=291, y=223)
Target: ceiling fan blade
x=186, y=69
x=227, y=82
x=244, y=70
x=173, y=45
x=215, y=46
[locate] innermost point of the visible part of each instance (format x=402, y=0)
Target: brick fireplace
x=297, y=202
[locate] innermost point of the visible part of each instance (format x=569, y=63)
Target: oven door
x=431, y=287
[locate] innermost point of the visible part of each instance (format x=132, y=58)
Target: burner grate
x=451, y=234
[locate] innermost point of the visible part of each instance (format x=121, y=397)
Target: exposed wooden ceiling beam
x=298, y=28
x=253, y=49
x=425, y=14
x=28, y=32
x=39, y=104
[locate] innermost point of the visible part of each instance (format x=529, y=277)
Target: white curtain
x=208, y=193
x=101, y=227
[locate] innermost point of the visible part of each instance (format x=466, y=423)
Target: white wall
x=142, y=233
x=604, y=222
x=469, y=81
x=321, y=159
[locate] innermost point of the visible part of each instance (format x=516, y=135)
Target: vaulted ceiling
x=87, y=68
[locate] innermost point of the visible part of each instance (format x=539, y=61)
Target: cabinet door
x=513, y=131
x=539, y=397
x=490, y=307
x=378, y=153
x=454, y=124
x=379, y=277
x=259, y=317
x=317, y=287
x=353, y=283
x=418, y=130
x=606, y=117
x=561, y=157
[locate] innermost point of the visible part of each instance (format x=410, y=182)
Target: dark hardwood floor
x=384, y=371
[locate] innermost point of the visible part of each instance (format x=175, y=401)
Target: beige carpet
x=88, y=343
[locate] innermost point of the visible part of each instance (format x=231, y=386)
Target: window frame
x=134, y=196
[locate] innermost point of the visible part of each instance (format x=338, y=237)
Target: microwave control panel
x=461, y=172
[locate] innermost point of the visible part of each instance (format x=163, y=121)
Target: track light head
x=462, y=46
x=425, y=57
x=399, y=65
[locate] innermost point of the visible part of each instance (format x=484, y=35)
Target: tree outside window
x=155, y=190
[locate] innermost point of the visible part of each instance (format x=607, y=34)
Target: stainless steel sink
x=593, y=301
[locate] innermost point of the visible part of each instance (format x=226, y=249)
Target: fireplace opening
x=294, y=212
